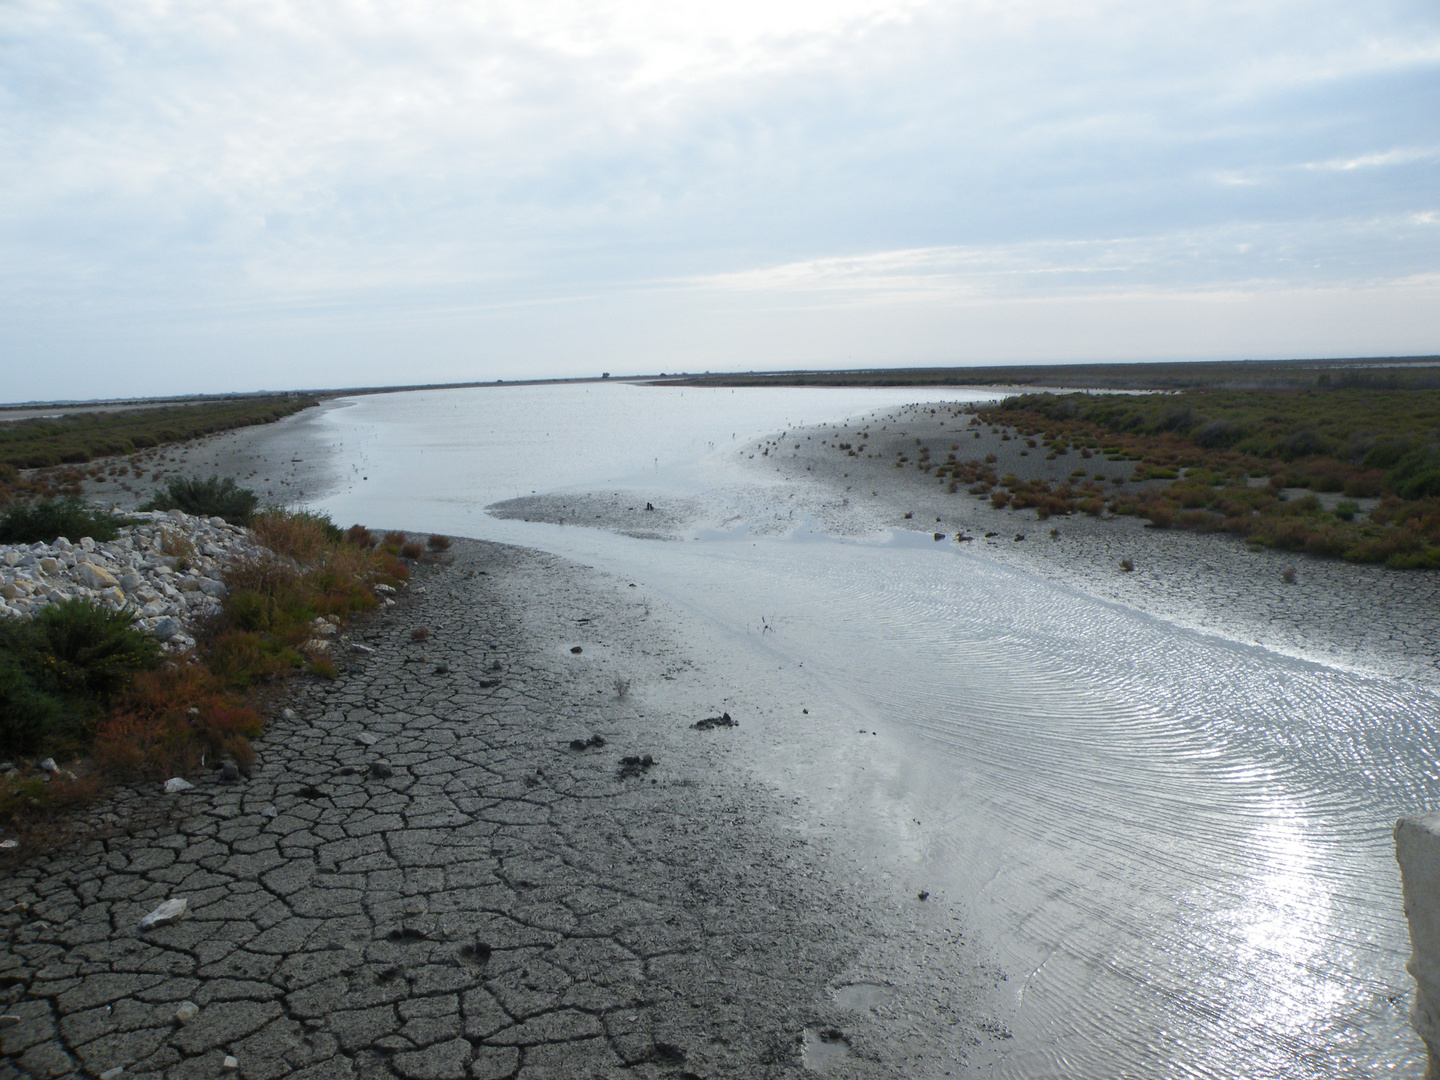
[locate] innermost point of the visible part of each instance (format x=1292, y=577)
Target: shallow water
x=1178, y=846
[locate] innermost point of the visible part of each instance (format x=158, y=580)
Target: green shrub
x=212, y=497
x=27, y=717
x=1346, y=510
x=89, y=651
x=44, y=521
x=60, y=669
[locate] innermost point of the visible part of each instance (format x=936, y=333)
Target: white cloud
x=234, y=163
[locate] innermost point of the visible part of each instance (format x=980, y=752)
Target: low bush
x=46, y=520
x=61, y=669
x=212, y=497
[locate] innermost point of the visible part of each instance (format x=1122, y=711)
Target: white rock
x=95, y=577
x=187, y=1011
x=177, y=784
x=367, y=738
x=8, y=844
x=168, y=912
x=230, y=1064
x=1417, y=850
x=112, y=1074
x=9, y=1021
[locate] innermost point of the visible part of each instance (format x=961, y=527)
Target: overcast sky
x=209, y=195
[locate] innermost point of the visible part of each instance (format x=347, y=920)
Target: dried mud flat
x=423, y=879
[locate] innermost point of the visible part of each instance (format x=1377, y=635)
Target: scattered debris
x=585, y=744
x=635, y=766
x=711, y=722
x=168, y=912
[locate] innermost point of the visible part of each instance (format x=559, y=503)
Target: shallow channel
x=1178, y=846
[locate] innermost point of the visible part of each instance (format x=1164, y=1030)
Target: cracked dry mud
x=501, y=905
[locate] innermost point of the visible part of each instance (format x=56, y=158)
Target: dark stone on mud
x=229, y=772
x=442, y=669
x=922, y=895
x=585, y=744
x=649, y=507
x=939, y=536
x=576, y=649
x=635, y=766
x=381, y=770
x=488, y=684
x=1019, y=537
x=310, y=791
x=407, y=933
x=711, y=722
x=668, y=1054
x=479, y=952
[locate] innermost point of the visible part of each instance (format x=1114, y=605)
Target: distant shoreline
x=1138, y=375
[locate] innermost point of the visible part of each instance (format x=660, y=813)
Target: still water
x=1177, y=846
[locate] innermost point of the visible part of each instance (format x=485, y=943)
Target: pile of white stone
x=167, y=568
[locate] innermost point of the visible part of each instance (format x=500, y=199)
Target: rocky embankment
x=167, y=566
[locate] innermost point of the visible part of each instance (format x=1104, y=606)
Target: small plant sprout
x=622, y=687
x=1127, y=564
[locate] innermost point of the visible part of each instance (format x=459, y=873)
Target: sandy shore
x=501, y=905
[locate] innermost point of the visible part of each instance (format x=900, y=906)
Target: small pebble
x=187, y=1011
x=230, y=1064
x=269, y=811
x=112, y=1074
x=9, y=1021
x=177, y=784
x=381, y=769
x=229, y=772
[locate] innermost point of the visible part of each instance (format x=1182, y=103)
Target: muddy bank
x=1358, y=616
x=423, y=878
x=284, y=463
